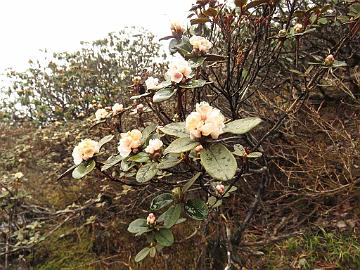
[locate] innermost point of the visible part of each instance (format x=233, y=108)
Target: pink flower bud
x=329, y=60
x=150, y=220
x=220, y=189
x=199, y=148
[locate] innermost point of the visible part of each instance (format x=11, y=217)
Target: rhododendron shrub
x=198, y=155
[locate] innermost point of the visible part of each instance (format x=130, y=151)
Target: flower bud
x=298, y=28
x=176, y=28
x=329, y=60
x=220, y=189
x=199, y=148
x=136, y=80
x=150, y=220
x=282, y=33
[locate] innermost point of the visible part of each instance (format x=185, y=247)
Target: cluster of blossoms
x=117, y=108
x=178, y=71
x=85, y=150
x=152, y=83
x=205, y=121
x=103, y=113
x=200, y=44
x=154, y=146
x=129, y=141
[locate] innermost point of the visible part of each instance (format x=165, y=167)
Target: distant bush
x=70, y=84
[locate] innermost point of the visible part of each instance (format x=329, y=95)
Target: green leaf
x=83, y=169
x=176, y=129
x=111, y=161
x=242, y=126
x=218, y=162
x=163, y=94
x=170, y=216
x=254, y=155
x=152, y=252
x=142, y=254
x=138, y=225
x=181, y=145
x=169, y=161
x=190, y=182
x=194, y=84
x=164, y=237
x=125, y=165
x=239, y=150
x=214, y=202
x=161, y=201
x=196, y=209
x=146, y=172
x=105, y=139
x=140, y=157
x=147, y=132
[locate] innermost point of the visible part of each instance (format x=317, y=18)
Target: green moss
x=340, y=250
x=60, y=252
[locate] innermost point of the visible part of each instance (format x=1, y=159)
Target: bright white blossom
x=220, y=188
x=117, y=108
x=298, y=27
x=129, y=141
x=176, y=28
x=150, y=219
x=329, y=60
x=85, y=150
x=179, y=70
x=154, y=145
x=151, y=83
x=200, y=44
x=19, y=175
x=101, y=114
x=205, y=121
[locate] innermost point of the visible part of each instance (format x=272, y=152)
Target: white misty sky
x=59, y=25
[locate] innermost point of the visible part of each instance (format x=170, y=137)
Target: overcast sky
x=59, y=25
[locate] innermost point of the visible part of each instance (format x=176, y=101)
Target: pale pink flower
x=178, y=71
x=85, y=150
x=152, y=83
x=101, y=114
x=176, y=28
x=129, y=141
x=200, y=44
x=117, y=108
x=199, y=148
x=154, y=145
x=205, y=121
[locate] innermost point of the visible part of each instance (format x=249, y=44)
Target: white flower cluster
x=205, y=121
x=117, y=108
x=178, y=71
x=129, y=141
x=85, y=150
x=101, y=114
x=154, y=145
x=152, y=83
x=200, y=44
